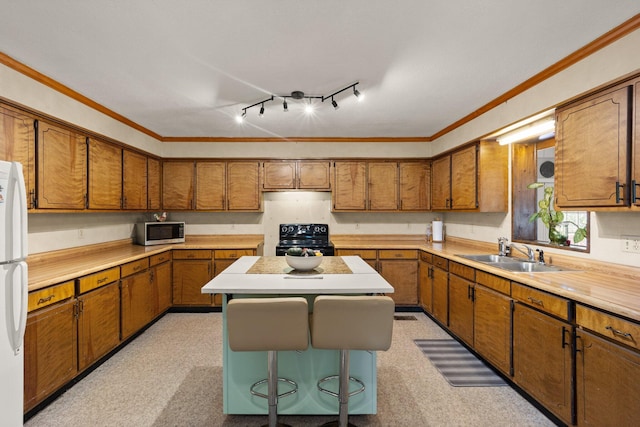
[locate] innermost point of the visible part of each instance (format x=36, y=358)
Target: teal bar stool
x=350, y=323
x=271, y=325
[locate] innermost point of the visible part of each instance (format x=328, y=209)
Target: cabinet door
x=134, y=180
x=383, y=186
x=461, y=308
x=137, y=305
x=50, y=351
x=464, y=174
x=62, y=168
x=350, y=192
x=210, y=186
x=98, y=324
x=441, y=295
x=415, y=186
x=542, y=359
x=592, y=141
x=189, y=276
x=635, y=151
x=105, y=175
x=492, y=327
x=18, y=144
x=243, y=186
x=403, y=276
x=178, y=180
x=154, y=192
x=441, y=184
x=426, y=286
x=279, y=175
x=314, y=175
x=162, y=287
x=608, y=382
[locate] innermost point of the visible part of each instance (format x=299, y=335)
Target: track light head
x=334, y=103
x=261, y=110
x=357, y=93
x=285, y=106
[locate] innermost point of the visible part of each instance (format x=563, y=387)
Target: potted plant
x=554, y=219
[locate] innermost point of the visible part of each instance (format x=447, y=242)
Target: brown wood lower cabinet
x=492, y=327
x=542, y=359
x=162, y=286
x=402, y=274
x=136, y=302
x=425, y=281
x=50, y=348
x=461, y=307
x=441, y=289
x=98, y=323
x=192, y=269
x=608, y=382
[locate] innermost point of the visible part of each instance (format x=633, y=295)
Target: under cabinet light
x=534, y=130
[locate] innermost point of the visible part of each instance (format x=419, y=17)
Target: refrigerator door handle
x=16, y=181
x=16, y=332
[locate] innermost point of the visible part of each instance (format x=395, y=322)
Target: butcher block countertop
x=50, y=268
x=610, y=287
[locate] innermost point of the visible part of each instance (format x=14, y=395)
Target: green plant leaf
x=533, y=216
x=579, y=235
x=535, y=185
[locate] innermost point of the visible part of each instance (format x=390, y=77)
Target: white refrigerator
x=13, y=291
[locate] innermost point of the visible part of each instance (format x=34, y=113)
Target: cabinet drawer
x=51, y=295
x=397, y=254
x=426, y=257
x=93, y=281
x=134, y=267
x=192, y=254
x=620, y=330
x=160, y=258
x=233, y=253
x=493, y=282
x=462, y=270
x=440, y=262
x=362, y=253
x=543, y=301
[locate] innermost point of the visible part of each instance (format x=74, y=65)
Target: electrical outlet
x=631, y=244
x=80, y=233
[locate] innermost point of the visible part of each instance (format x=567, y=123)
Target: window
x=533, y=161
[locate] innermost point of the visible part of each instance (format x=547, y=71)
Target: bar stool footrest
x=283, y=380
x=337, y=377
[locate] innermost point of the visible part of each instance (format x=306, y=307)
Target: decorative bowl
x=303, y=263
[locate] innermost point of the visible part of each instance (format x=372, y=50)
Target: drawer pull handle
x=536, y=301
x=619, y=332
x=47, y=299
x=104, y=279
x=137, y=267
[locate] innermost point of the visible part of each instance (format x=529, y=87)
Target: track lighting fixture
x=297, y=94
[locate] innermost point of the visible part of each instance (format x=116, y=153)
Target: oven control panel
x=304, y=231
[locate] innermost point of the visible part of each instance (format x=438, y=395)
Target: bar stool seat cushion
x=267, y=324
x=352, y=322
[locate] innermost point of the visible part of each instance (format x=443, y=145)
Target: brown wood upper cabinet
x=381, y=186
x=134, y=180
x=62, y=168
x=154, y=183
x=105, y=175
x=473, y=178
x=18, y=144
x=296, y=174
x=592, y=140
x=211, y=185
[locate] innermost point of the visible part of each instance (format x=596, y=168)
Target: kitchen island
x=254, y=276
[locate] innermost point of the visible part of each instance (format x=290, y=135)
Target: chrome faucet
x=503, y=246
x=529, y=253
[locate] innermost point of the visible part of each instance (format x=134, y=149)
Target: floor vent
x=396, y=317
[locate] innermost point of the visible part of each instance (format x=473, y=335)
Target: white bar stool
x=350, y=323
x=269, y=324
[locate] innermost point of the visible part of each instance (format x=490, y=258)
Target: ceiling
x=186, y=69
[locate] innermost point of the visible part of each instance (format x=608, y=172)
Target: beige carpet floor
x=171, y=375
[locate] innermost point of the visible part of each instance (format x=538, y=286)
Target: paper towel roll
x=436, y=227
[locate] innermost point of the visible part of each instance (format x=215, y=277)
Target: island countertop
x=238, y=279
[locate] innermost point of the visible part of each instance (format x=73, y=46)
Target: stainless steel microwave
x=159, y=233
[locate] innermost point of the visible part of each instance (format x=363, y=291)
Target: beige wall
x=54, y=231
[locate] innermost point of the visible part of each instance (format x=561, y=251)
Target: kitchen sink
x=488, y=258
x=514, y=264
x=527, y=267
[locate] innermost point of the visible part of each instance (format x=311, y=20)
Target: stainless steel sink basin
x=527, y=267
x=514, y=264
x=488, y=258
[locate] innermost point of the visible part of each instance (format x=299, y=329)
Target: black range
x=314, y=236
